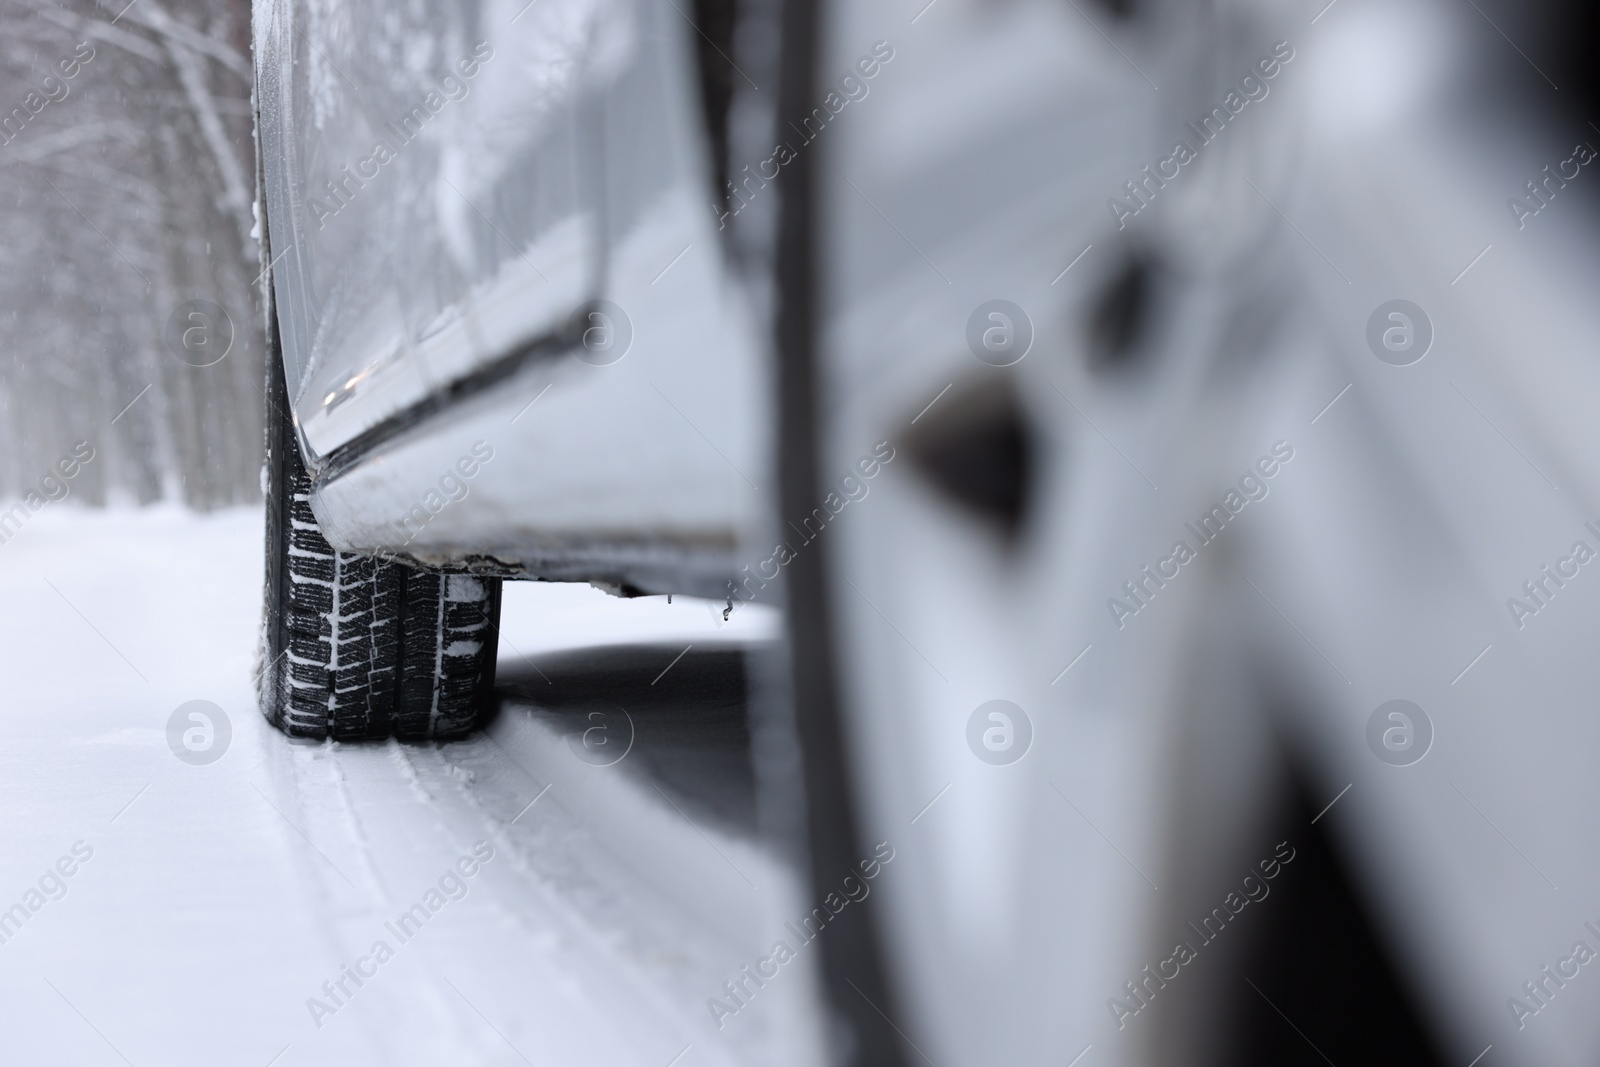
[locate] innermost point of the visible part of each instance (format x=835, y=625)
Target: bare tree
x=125, y=166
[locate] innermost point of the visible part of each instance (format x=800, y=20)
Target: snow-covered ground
x=208, y=904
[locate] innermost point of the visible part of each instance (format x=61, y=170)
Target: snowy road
x=531, y=907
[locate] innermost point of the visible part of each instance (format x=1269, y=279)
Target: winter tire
x=357, y=647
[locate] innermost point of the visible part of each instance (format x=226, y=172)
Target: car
x=920, y=325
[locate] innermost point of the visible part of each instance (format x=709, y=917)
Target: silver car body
x=459, y=196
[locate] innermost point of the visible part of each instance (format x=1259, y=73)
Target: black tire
x=357, y=647
x=855, y=969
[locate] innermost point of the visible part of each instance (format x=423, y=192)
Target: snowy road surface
x=531, y=907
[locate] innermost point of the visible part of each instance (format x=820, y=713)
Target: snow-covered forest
x=127, y=174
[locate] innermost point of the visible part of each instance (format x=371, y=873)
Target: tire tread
x=366, y=648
